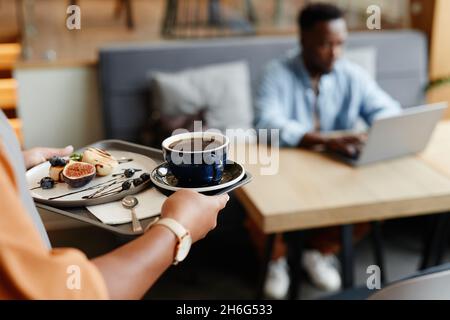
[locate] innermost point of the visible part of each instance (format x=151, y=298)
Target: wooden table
x=312, y=190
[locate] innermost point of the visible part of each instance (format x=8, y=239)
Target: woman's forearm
x=132, y=269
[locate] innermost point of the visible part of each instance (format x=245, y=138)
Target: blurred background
x=51, y=90
x=34, y=40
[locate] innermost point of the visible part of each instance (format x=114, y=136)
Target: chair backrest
x=401, y=69
x=430, y=285
x=9, y=54
x=8, y=94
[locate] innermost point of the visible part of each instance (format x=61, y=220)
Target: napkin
x=150, y=203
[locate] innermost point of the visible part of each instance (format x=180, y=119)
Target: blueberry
x=47, y=183
x=137, y=182
x=57, y=161
x=129, y=173
x=126, y=185
x=53, y=161
x=145, y=176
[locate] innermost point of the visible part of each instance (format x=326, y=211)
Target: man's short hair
x=317, y=12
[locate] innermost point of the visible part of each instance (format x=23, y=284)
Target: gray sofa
x=401, y=69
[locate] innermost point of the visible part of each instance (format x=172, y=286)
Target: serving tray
x=82, y=214
x=61, y=195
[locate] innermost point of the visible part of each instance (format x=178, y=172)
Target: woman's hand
x=36, y=156
x=196, y=212
x=133, y=268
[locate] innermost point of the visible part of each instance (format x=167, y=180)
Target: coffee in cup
x=196, y=158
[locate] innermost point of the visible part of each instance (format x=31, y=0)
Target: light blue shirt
x=285, y=99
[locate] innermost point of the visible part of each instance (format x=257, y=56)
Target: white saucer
x=163, y=178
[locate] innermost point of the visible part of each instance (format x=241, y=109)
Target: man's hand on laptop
x=347, y=145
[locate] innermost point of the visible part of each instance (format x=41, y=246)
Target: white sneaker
x=322, y=270
x=277, y=280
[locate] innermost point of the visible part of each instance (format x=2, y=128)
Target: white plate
x=233, y=173
x=35, y=174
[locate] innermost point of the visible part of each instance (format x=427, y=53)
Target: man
x=306, y=94
x=30, y=269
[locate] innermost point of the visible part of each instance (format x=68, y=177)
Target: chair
x=9, y=54
x=8, y=93
x=429, y=284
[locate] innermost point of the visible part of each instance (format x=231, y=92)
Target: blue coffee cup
x=196, y=159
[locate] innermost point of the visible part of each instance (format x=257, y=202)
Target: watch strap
x=174, y=226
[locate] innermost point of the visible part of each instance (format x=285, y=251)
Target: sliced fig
x=78, y=174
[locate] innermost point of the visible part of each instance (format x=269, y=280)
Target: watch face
x=184, y=247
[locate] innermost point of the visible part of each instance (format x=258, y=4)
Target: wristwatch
x=183, y=235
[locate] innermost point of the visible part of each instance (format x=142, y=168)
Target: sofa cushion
x=365, y=57
x=222, y=92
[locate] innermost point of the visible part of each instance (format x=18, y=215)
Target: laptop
x=399, y=135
